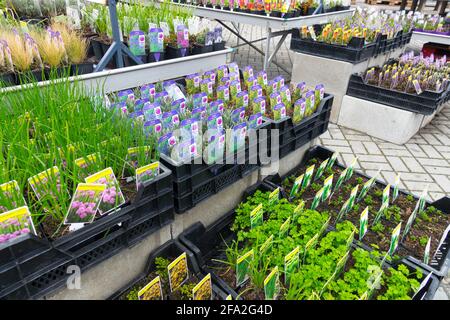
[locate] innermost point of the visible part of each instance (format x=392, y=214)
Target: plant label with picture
x=343, y=211
x=396, y=186
x=274, y=197
x=88, y=165
x=243, y=266
x=296, y=186
x=352, y=198
x=112, y=196
x=151, y=291
x=284, y=228
x=341, y=263
x=291, y=263
x=327, y=186
x=15, y=223
x=10, y=196
x=422, y=200
x=386, y=193
x=366, y=187
x=421, y=286
x=307, y=178
x=317, y=199
x=136, y=156
x=380, y=213
x=298, y=209
x=178, y=272
x=426, y=255
x=363, y=222
x=266, y=246
x=340, y=180
x=136, y=42
x=46, y=183
x=203, y=289
x=350, y=169
x=271, y=284
x=321, y=169
x=394, y=239
x=146, y=173
x=256, y=216
x=85, y=203
x=331, y=161
x=409, y=223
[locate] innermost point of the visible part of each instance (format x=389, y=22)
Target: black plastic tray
x=438, y=261
x=353, y=53
x=426, y=103
x=172, y=248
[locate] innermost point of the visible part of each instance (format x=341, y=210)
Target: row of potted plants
x=367, y=33
x=31, y=9
x=415, y=83
x=280, y=8
x=434, y=24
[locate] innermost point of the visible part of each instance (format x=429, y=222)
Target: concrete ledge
x=380, y=121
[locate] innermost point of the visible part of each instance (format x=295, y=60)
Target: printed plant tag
x=242, y=267
x=343, y=211
x=350, y=169
x=396, y=186
x=15, y=223
x=386, y=192
x=409, y=223
x=291, y=263
x=10, y=196
x=394, y=239
x=85, y=203
x=317, y=199
x=136, y=42
x=298, y=209
x=363, y=222
x=299, y=110
x=152, y=291
x=178, y=272
x=156, y=39
x=352, y=197
x=426, y=255
x=422, y=200
x=146, y=173
x=365, y=189
x=256, y=216
x=321, y=169
x=137, y=156
x=271, y=286
x=274, y=196
x=266, y=246
x=307, y=178
x=296, y=186
x=112, y=196
x=203, y=289
x=46, y=183
x=417, y=87
x=88, y=165
x=284, y=228
x=327, y=186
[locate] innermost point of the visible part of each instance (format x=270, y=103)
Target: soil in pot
x=430, y=222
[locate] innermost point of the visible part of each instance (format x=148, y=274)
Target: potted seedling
x=178, y=43
x=203, y=42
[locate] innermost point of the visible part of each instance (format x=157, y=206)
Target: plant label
x=88, y=165
x=352, y=197
x=426, y=255
x=341, y=264
x=266, y=247
x=151, y=291
x=146, y=173
x=307, y=178
x=16, y=223
x=343, y=211
x=366, y=187
x=409, y=223
x=85, y=203
x=229, y=297
x=317, y=199
x=394, y=239
x=321, y=169
x=284, y=228
x=422, y=200
x=386, y=192
x=422, y=285
x=10, y=196
x=156, y=40
x=396, y=186
x=350, y=169
x=178, y=272
x=242, y=267
x=256, y=216
x=296, y=186
x=331, y=161
x=363, y=222
x=137, y=42
x=380, y=213
x=327, y=186
x=298, y=209
x=46, y=183
x=112, y=196
x=271, y=286
x=203, y=289
x=291, y=263
x=274, y=196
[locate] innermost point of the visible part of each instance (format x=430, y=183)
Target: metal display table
x=284, y=26
x=430, y=37
x=129, y=77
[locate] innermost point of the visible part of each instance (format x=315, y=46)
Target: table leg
x=266, y=55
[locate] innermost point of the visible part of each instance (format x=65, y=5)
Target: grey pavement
x=423, y=161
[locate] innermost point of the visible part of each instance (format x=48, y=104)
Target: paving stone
x=335, y=142
x=433, y=162
x=443, y=181
x=340, y=149
x=375, y=166
x=420, y=186
x=359, y=137
x=372, y=147
x=397, y=153
x=431, y=152
x=430, y=138
x=416, y=177
x=357, y=147
x=415, y=150
x=437, y=170
x=372, y=158
x=413, y=164
x=397, y=164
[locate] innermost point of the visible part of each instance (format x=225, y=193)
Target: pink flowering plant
x=10, y=196
x=85, y=203
x=15, y=223
x=112, y=196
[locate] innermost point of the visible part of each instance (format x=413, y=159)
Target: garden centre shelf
x=133, y=76
x=430, y=37
x=284, y=26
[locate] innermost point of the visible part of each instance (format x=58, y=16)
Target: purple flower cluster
x=109, y=195
x=12, y=228
x=83, y=209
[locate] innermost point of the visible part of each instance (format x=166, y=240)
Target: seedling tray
x=437, y=262
x=170, y=249
x=425, y=103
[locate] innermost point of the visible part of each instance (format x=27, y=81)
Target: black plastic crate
x=172, y=248
x=356, y=51
x=31, y=267
x=426, y=103
x=438, y=261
